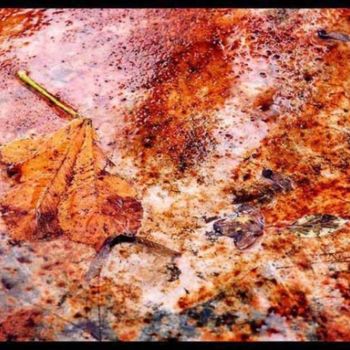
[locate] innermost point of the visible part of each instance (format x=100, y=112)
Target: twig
x=37, y=87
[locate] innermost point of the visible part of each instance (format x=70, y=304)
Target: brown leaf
x=245, y=226
x=62, y=187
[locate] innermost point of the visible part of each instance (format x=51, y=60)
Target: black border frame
x=178, y=345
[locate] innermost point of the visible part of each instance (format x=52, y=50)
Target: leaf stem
x=41, y=90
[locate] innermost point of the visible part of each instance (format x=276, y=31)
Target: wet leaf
x=62, y=187
x=244, y=226
x=317, y=225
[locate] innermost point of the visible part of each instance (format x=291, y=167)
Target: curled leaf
x=317, y=225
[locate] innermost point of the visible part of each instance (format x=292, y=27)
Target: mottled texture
x=232, y=126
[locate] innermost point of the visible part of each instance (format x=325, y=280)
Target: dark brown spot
x=14, y=171
x=173, y=272
x=7, y=283
x=267, y=173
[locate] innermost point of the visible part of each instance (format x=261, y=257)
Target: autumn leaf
x=61, y=187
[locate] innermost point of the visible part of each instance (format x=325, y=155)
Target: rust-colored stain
x=16, y=22
x=20, y=326
x=311, y=151
x=174, y=122
x=228, y=138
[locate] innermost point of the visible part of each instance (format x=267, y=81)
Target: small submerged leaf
x=317, y=225
x=244, y=226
